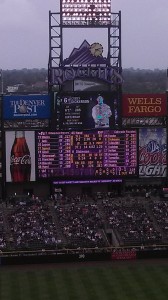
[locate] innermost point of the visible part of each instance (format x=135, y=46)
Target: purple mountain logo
x=82, y=56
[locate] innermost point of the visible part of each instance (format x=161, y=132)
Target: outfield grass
x=130, y=281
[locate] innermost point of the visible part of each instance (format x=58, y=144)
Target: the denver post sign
x=144, y=105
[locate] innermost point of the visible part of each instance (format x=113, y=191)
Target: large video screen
x=91, y=154
x=87, y=110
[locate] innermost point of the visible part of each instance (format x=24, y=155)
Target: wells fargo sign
x=144, y=105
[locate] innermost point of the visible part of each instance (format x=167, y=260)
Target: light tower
x=84, y=14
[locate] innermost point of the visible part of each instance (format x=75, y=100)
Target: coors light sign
x=20, y=159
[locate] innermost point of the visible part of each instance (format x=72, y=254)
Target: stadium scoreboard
x=87, y=154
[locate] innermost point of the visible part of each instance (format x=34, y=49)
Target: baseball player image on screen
x=101, y=113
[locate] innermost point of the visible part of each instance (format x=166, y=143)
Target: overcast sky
x=24, y=28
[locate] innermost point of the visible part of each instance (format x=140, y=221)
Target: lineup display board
x=91, y=154
x=26, y=107
x=144, y=105
x=152, y=152
x=87, y=110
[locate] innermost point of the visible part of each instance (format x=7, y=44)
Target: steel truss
x=56, y=26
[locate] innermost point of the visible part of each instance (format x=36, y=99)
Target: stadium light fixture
x=86, y=12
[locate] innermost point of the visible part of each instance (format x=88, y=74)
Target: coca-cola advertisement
x=20, y=156
x=152, y=152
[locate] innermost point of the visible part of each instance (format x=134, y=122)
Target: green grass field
x=118, y=281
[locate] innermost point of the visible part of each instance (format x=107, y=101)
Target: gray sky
x=24, y=29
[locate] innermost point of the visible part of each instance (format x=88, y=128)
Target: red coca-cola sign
x=23, y=160
x=20, y=159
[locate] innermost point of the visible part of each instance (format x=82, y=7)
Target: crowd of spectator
x=2, y=233
x=131, y=222
x=160, y=212
x=31, y=226
x=81, y=224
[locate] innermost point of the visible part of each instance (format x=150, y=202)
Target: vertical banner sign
x=152, y=152
x=20, y=156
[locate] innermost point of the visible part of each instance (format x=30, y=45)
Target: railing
x=82, y=250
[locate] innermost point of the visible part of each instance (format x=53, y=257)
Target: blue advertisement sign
x=26, y=107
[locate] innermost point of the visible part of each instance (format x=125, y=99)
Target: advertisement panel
x=87, y=110
x=26, y=124
x=26, y=107
x=20, y=156
x=144, y=105
x=152, y=152
x=144, y=122
x=89, y=85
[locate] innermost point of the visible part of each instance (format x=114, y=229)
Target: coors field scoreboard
x=87, y=154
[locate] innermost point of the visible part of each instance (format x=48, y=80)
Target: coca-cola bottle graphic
x=20, y=159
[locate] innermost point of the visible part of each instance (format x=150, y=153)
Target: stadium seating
x=76, y=222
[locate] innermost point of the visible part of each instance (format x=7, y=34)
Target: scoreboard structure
x=85, y=141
